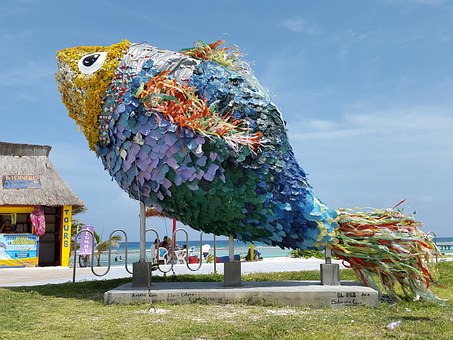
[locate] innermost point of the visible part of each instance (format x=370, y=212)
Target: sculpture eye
x=90, y=63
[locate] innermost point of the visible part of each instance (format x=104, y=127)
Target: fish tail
x=386, y=248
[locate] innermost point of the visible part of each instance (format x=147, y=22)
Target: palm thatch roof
x=153, y=212
x=28, y=177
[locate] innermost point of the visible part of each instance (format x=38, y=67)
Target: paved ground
x=10, y=277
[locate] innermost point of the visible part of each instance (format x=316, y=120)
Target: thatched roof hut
x=29, y=178
x=153, y=212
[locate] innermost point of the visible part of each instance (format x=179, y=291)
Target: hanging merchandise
x=38, y=220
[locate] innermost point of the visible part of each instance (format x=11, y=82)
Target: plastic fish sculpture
x=194, y=135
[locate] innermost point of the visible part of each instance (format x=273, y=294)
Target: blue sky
x=365, y=87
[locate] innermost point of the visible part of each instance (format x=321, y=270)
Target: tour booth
x=36, y=207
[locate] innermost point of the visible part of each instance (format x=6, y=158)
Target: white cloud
x=376, y=158
x=433, y=124
x=299, y=25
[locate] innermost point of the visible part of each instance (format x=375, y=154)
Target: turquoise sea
x=240, y=248
x=445, y=239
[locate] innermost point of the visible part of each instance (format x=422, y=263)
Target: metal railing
x=186, y=257
x=92, y=252
x=160, y=266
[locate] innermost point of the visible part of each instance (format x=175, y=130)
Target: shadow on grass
x=94, y=290
x=88, y=290
x=416, y=318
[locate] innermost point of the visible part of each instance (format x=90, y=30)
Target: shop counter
x=18, y=250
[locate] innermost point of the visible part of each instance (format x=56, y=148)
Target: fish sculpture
x=194, y=135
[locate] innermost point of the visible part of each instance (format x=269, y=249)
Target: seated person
x=257, y=255
x=7, y=228
x=166, y=243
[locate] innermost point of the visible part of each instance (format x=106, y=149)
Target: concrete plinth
x=330, y=274
x=232, y=274
x=141, y=274
x=285, y=293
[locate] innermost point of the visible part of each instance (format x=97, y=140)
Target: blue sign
x=18, y=250
x=21, y=182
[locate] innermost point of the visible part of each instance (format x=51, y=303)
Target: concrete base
x=232, y=274
x=285, y=293
x=330, y=274
x=141, y=274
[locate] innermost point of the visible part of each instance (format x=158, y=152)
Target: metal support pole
x=231, y=248
x=328, y=256
x=330, y=272
x=215, y=256
x=142, y=233
x=141, y=270
x=232, y=268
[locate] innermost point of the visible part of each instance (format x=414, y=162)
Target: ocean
x=240, y=248
x=445, y=240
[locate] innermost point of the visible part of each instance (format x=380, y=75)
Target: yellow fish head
x=83, y=76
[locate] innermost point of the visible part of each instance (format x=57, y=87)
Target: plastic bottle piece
x=393, y=325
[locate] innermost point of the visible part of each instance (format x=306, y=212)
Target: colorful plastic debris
x=195, y=136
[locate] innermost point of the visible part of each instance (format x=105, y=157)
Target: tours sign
x=21, y=182
x=66, y=223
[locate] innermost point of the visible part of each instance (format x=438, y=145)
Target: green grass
x=76, y=311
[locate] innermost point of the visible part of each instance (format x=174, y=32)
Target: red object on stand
x=174, y=235
x=194, y=259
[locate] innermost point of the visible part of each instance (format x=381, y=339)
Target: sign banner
x=21, y=182
x=18, y=250
x=86, y=240
x=66, y=223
